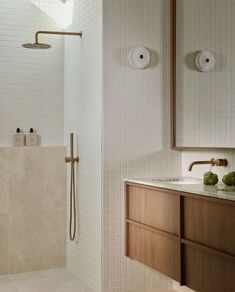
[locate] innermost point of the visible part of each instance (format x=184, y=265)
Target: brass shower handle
x=71, y=158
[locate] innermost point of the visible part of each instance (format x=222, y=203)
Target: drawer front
x=156, y=251
x=208, y=273
x=155, y=208
x=210, y=223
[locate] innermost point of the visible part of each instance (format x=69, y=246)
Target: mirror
x=203, y=73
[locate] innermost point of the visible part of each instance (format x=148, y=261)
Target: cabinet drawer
x=208, y=273
x=156, y=208
x=156, y=251
x=210, y=223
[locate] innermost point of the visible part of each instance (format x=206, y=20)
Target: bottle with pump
x=18, y=138
x=31, y=138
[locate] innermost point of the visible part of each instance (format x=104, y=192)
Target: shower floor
x=56, y=280
x=159, y=290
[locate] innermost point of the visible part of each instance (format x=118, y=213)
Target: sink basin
x=178, y=180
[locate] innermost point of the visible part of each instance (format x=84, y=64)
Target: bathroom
x=127, y=123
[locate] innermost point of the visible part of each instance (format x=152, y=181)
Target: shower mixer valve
x=69, y=159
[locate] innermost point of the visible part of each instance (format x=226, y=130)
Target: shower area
x=50, y=212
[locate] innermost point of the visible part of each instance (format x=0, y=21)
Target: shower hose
x=73, y=213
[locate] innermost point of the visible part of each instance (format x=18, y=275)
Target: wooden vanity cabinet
x=144, y=245
x=153, y=225
x=157, y=208
x=211, y=223
x=187, y=237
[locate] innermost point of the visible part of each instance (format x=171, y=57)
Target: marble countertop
x=220, y=191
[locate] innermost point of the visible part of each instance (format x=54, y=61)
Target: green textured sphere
x=229, y=179
x=210, y=178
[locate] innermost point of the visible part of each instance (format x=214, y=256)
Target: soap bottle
x=18, y=138
x=31, y=138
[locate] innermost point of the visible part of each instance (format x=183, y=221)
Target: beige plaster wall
x=32, y=209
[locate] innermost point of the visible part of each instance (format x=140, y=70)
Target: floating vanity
x=184, y=230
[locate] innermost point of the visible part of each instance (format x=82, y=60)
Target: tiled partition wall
x=134, y=128
x=31, y=91
x=32, y=209
x=83, y=81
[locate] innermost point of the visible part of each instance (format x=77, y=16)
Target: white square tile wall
x=31, y=91
x=199, y=170
x=83, y=98
x=134, y=128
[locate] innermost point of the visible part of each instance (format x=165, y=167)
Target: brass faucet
x=212, y=162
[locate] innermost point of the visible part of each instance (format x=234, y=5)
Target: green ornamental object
x=229, y=179
x=210, y=178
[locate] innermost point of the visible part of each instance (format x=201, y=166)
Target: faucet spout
x=212, y=162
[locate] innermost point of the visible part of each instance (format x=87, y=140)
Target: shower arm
x=55, y=32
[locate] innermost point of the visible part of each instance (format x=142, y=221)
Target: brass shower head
x=38, y=45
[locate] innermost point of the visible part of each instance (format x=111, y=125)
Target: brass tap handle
x=220, y=162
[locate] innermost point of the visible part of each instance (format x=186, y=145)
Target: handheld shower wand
x=73, y=214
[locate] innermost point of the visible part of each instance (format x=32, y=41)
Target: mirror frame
x=172, y=76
